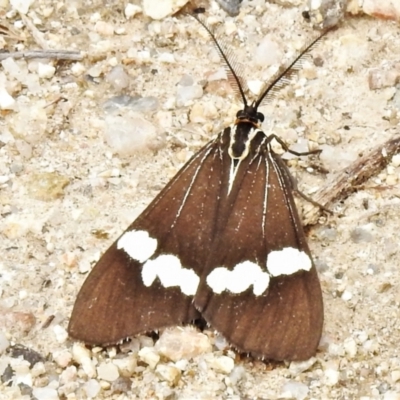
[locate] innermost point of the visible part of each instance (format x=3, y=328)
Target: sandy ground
x=47, y=236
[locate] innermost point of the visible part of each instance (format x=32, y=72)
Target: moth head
x=249, y=114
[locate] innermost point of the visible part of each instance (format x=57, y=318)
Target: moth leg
x=286, y=147
x=290, y=177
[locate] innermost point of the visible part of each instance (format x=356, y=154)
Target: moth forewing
x=117, y=300
x=272, y=308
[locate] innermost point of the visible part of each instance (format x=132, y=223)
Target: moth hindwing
x=222, y=242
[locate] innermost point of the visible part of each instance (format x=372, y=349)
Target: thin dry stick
x=346, y=181
x=49, y=54
x=46, y=52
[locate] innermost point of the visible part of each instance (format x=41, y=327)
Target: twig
x=52, y=54
x=347, y=181
x=40, y=40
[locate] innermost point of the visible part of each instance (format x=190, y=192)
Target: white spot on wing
x=170, y=272
x=239, y=279
x=138, y=245
x=288, y=261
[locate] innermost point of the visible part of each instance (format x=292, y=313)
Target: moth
x=222, y=243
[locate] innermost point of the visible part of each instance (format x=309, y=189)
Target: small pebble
x=294, y=390
x=335, y=158
x=186, y=80
x=47, y=186
x=298, y=367
x=255, y=86
x=221, y=343
x=68, y=375
x=60, y=333
x=396, y=160
x=107, y=371
x=16, y=168
x=371, y=346
x=160, y=9
x=77, y=69
x=22, y=372
x=222, y=364
x=232, y=7
x=238, y=374
x=164, y=119
x=395, y=375
x=144, y=104
x=92, y=388
x=96, y=71
x=168, y=373
x=7, y=102
x=197, y=114
x=391, y=180
x=325, y=233
x=167, y=58
x=267, y=53
x=347, y=295
x=22, y=6
x=385, y=9
x=118, y=103
x=126, y=365
x=104, y=28
x=146, y=341
x=118, y=78
x=350, y=347
x=336, y=349
x=391, y=395
x=131, y=346
x=45, y=393
x=149, y=356
x=323, y=13
x=130, y=134
x=178, y=343
x=186, y=94
x=15, y=69
x=362, y=337
x=38, y=369
x=121, y=385
x=331, y=377
x=131, y=10
x=182, y=364
x=230, y=28
x=46, y=71
x=361, y=235
x=82, y=356
x=4, y=343
x=217, y=75
x=331, y=372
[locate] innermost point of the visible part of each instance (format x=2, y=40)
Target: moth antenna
x=285, y=74
x=233, y=69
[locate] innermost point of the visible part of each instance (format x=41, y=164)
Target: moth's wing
x=260, y=216
x=113, y=302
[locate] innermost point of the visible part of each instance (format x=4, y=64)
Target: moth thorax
x=241, y=137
